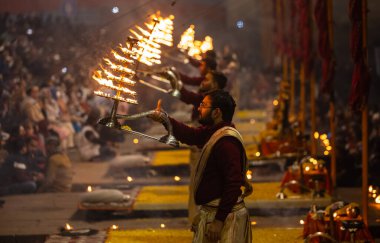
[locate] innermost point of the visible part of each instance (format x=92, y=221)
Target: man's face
x=205, y=112
x=208, y=84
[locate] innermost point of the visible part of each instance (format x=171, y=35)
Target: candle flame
x=68, y=227
x=89, y=189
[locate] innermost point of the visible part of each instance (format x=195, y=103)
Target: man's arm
x=194, y=81
x=190, y=97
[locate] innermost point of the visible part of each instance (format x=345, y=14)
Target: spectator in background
x=15, y=174
x=89, y=144
x=59, y=174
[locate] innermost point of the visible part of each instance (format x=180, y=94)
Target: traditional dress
x=219, y=175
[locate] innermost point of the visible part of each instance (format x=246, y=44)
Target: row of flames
x=117, y=73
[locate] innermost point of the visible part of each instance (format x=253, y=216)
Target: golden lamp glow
x=114, y=75
x=135, y=141
x=177, y=178
x=129, y=178
x=163, y=33
x=249, y=174
x=187, y=39
x=253, y=223
x=302, y=222
x=326, y=153
x=377, y=200
x=328, y=148
x=316, y=135
x=275, y=102
x=257, y=154
x=68, y=227
x=370, y=188
x=114, y=227
x=89, y=189
x=195, y=50
x=162, y=226
x=326, y=142
x=323, y=136
x=207, y=44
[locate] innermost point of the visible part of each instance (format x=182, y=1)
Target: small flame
x=249, y=174
x=323, y=136
x=114, y=227
x=302, y=222
x=135, y=140
x=177, y=178
x=253, y=223
x=377, y=200
x=257, y=154
x=89, y=189
x=129, y=179
x=275, y=102
x=316, y=135
x=68, y=227
x=162, y=225
x=187, y=39
x=370, y=188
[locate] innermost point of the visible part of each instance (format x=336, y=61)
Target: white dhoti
x=236, y=228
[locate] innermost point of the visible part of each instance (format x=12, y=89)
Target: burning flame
x=163, y=33
x=377, y=200
x=89, y=189
x=207, y=44
x=115, y=74
x=187, y=39
x=68, y=227
x=114, y=227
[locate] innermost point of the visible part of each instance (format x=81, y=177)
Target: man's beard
x=207, y=120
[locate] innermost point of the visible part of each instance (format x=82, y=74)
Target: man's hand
x=214, y=230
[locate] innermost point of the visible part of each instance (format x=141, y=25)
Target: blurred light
x=275, y=102
x=377, y=200
x=302, y=222
x=240, y=24
x=177, y=178
x=64, y=70
x=326, y=153
x=307, y=168
x=115, y=10
x=328, y=148
x=323, y=136
x=252, y=121
x=370, y=188
x=135, y=141
x=326, y=142
x=129, y=179
x=68, y=227
x=257, y=154
x=316, y=135
x=114, y=227
x=29, y=31
x=89, y=189
x=162, y=226
x=335, y=215
x=253, y=222
x=249, y=174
